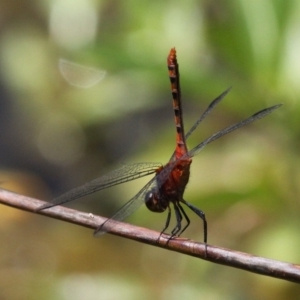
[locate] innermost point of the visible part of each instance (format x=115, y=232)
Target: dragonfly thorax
x=172, y=180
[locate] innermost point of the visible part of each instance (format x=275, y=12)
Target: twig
x=254, y=264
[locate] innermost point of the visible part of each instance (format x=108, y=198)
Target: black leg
x=178, y=220
x=201, y=214
x=167, y=221
x=186, y=218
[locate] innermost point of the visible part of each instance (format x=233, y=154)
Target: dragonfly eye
x=154, y=202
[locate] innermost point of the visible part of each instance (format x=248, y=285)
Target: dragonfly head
x=155, y=202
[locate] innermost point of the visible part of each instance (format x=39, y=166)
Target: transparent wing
x=207, y=111
x=205, y=114
x=130, y=207
x=259, y=115
x=124, y=174
x=134, y=203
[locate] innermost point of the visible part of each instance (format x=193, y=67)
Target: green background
x=56, y=136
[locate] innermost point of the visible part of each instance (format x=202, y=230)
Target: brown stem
x=251, y=263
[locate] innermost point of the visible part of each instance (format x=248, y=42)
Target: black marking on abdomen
x=175, y=95
x=178, y=128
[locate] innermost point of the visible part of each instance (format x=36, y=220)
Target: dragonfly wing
x=133, y=204
x=207, y=111
x=129, y=208
x=205, y=114
x=259, y=115
x=124, y=174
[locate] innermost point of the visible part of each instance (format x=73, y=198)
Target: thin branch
x=251, y=263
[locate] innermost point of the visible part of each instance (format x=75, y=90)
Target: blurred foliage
x=56, y=136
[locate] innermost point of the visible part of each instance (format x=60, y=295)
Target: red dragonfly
x=168, y=184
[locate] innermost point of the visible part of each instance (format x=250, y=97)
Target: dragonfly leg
x=166, y=225
x=167, y=221
x=201, y=214
x=178, y=220
x=186, y=218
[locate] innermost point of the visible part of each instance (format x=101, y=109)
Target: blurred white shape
x=73, y=24
x=79, y=75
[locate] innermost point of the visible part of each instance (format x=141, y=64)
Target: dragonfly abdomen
x=181, y=147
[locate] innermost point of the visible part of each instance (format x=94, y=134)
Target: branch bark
x=235, y=259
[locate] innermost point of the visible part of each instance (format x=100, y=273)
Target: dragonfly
x=165, y=190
